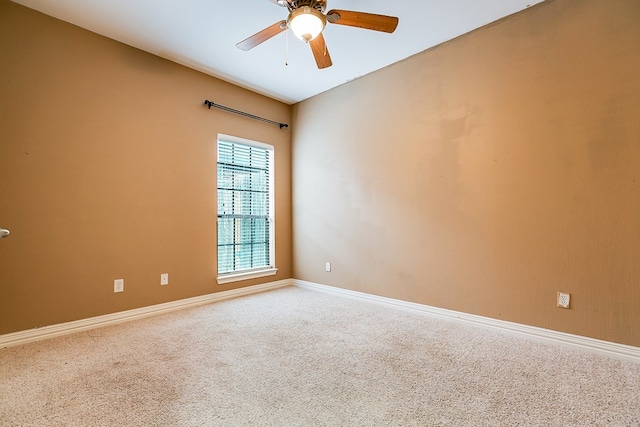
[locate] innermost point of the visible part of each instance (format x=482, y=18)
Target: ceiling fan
x=307, y=20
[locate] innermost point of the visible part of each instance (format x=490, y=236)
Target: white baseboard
x=606, y=348
x=31, y=335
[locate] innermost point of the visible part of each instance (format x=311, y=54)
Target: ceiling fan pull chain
x=286, y=48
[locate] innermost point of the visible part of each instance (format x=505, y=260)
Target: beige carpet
x=295, y=357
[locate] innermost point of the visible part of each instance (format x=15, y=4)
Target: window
x=245, y=209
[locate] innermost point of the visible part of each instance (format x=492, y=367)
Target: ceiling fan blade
x=262, y=36
x=320, y=52
x=369, y=21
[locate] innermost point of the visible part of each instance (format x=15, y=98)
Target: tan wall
x=108, y=170
x=486, y=174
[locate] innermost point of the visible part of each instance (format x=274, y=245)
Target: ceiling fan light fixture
x=306, y=23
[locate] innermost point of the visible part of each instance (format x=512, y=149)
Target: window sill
x=246, y=275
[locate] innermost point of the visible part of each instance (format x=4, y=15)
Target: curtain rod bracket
x=210, y=104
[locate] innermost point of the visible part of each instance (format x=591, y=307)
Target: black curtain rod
x=242, y=113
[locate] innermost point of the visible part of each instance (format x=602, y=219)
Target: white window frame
x=263, y=271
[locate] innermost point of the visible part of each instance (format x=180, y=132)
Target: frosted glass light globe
x=306, y=23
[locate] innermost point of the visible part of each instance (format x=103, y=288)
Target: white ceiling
x=202, y=34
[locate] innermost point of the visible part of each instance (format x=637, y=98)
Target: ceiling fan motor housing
x=319, y=5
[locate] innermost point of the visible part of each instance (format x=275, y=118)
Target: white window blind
x=245, y=224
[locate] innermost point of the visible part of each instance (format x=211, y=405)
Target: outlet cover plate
x=327, y=267
x=164, y=279
x=118, y=285
x=563, y=299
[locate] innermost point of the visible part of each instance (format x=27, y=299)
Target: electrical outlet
x=327, y=267
x=563, y=300
x=118, y=285
x=164, y=279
